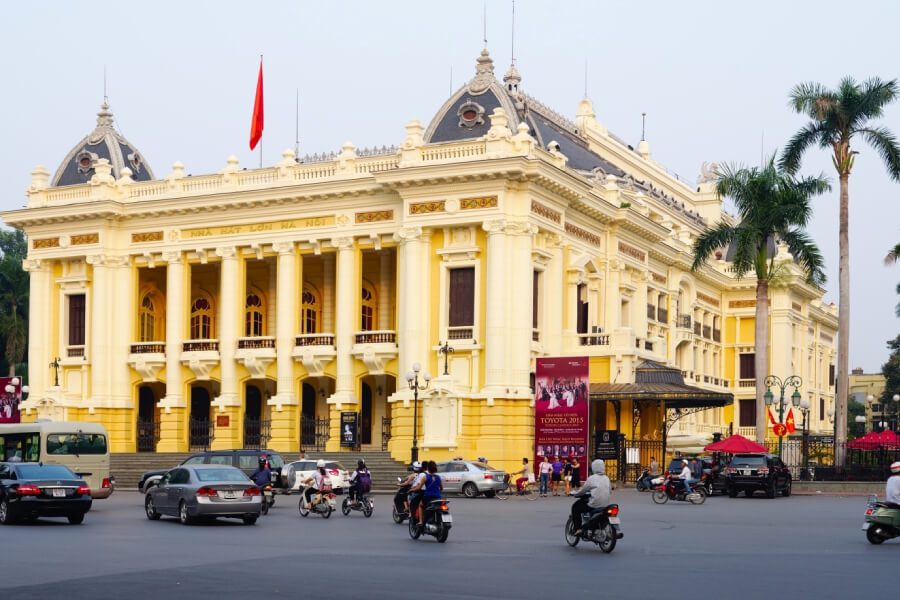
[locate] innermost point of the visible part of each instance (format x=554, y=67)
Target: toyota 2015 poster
x=561, y=408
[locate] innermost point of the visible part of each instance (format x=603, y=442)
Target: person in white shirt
x=686, y=476
x=892, y=489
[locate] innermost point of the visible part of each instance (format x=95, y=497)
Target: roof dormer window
x=471, y=114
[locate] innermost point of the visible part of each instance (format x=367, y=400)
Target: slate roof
x=656, y=381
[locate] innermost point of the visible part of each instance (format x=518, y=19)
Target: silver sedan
x=200, y=491
x=471, y=478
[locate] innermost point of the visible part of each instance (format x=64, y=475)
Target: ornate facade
x=248, y=303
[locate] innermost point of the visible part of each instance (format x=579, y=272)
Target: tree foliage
x=14, y=286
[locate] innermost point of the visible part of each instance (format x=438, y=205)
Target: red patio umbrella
x=736, y=444
x=875, y=440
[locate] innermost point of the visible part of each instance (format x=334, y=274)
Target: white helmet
x=320, y=464
x=895, y=467
x=417, y=466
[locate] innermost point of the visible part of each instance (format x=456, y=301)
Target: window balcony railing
x=200, y=346
x=697, y=328
x=684, y=321
x=255, y=343
x=663, y=315
x=593, y=339
x=746, y=383
x=148, y=348
x=651, y=312
x=376, y=337
x=461, y=333
x=75, y=351
x=717, y=335
x=535, y=335
x=707, y=331
x=314, y=339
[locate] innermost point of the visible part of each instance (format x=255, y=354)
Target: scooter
x=601, y=526
x=323, y=507
x=268, y=498
x=646, y=481
x=438, y=521
x=673, y=489
x=400, y=510
x=363, y=503
x=882, y=521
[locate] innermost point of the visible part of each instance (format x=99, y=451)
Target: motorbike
x=268, y=498
x=438, y=521
x=646, y=481
x=673, y=489
x=323, y=507
x=363, y=503
x=601, y=526
x=882, y=521
x=400, y=510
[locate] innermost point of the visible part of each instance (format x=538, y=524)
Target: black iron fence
x=257, y=433
x=314, y=433
x=147, y=435
x=385, y=432
x=812, y=459
x=202, y=433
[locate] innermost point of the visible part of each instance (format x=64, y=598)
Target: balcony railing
x=747, y=383
x=253, y=343
x=697, y=328
x=593, y=339
x=75, y=351
x=148, y=348
x=707, y=331
x=200, y=346
x=651, y=311
x=376, y=337
x=663, y=315
x=717, y=335
x=684, y=321
x=460, y=333
x=535, y=335
x=314, y=339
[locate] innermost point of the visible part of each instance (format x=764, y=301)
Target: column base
x=285, y=423
x=173, y=430
x=231, y=436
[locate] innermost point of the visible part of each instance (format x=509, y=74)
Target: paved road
x=799, y=547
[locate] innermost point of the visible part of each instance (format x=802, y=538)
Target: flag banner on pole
x=256, y=122
x=771, y=416
x=789, y=421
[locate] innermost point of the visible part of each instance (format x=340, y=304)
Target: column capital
x=343, y=243
x=118, y=261
x=408, y=234
x=34, y=264
x=97, y=260
x=226, y=252
x=283, y=248
x=523, y=228
x=494, y=227
x=172, y=256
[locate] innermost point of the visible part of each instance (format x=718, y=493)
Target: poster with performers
x=9, y=401
x=561, y=410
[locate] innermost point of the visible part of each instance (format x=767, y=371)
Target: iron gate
x=202, y=433
x=147, y=435
x=314, y=433
x=257, y=433
x=385, y=432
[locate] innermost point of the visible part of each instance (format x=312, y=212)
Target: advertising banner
x=349, y=429
x=561, y=410
x=9, y=401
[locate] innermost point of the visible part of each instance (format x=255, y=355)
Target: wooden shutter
x=748, y=366
x=534, y=299
x=76, y=320
x=581, y=310
x=748, y=413
x=462, y=297
x=831, y=375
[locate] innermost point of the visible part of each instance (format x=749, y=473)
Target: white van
x=83, y=447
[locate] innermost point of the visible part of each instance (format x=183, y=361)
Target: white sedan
x=300, y=470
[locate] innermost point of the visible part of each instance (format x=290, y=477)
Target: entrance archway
x=256, y=428
x=200, y=421
x=365, y=415
x=147, y=432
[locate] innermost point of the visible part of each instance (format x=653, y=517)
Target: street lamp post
x=792, y=381
x=885, y=424
x=804, y=409
x=412, y=378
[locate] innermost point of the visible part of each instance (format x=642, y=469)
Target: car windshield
x=748, y=461
x=44, y=472
x=76, y=443
x=221, y=475
x=485, y=466
x=275, y=461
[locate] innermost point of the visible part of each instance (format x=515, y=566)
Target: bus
x=83, y=447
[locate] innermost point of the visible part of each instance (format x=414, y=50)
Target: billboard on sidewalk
x=561, y=406
x=9, y=401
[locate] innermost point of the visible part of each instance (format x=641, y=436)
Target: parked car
x=751, y=472
x=204, y=491
x=471, y=478
x=29, y=491
x=713, y=476
x=246, y=460
x=299, y=470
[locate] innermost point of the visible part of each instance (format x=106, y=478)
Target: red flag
x=771, y=416
x=789, y=421
x=256, y=122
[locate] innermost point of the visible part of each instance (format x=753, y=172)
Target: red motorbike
x=673, y=489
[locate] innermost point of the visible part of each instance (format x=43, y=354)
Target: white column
x=345, y=319
x=385, y=291
x=175, y=309
x=125, y=302
x=613, y=296
x=570, y=327
x=498, y=306
x=286, y=325
x=521, y=238
x=409, y=305
x=230, y=303
x=552, y=283
x=642, y=298
x=40, y=345
x=327, y=293
x=99, y=334
x=425, y=314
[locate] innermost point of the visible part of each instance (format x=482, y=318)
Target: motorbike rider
x=361, y=471
x=263, y=474
x=892, y=489
x=319, y=481
x=686, y=476
x=594, y=493
x=415, y=492
x=401, y=499
x=432, y=488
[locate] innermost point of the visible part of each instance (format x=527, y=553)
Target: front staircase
x=129, y=467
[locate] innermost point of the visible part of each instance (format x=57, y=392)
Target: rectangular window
x=748, y=413
x=821, y=409
x=76, y=320
x=462, y=297
x=76, y=443
x=582, y=309
x=831, y=375
x=535, y=287
x=748, y=366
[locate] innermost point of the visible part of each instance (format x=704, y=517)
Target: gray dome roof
x=103, y=142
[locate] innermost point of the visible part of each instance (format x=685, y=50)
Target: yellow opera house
x=251, y=307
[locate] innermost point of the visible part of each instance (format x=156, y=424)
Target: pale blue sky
x=713, y=78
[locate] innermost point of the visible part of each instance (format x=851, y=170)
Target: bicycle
x=509, y=490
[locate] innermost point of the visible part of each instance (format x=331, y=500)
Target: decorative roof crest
x=484, y=73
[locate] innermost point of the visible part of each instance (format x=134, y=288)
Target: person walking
x=567, y=474
x=546, y=469
x=556, y=476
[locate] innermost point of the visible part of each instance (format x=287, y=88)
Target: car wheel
x=6, y=517
x=76, y=518
x=771, y=490
x=749, y=493
x=150, y=509
x=490, y=494
x=470, y=490
x=183, y=515
x=786, y=492
x=249, y=519
x=732, y=492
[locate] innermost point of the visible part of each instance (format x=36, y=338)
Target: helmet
x=320, y=464
x=417, y=466
x=684, y=461
x=263, y=459
x=360, y=464
x=895, y=467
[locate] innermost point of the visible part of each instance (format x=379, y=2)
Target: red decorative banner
x=9, y=401
x=561, y=410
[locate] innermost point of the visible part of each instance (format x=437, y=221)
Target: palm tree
x=892, y=257
x=771, y=205
x=838, y=117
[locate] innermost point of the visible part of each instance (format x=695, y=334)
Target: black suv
x=245, y=460
x=751, y=472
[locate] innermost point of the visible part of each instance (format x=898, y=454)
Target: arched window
x=309, y=311
x=148, y=319
x=201, y=319
x=367, y=308
x=253, y=316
